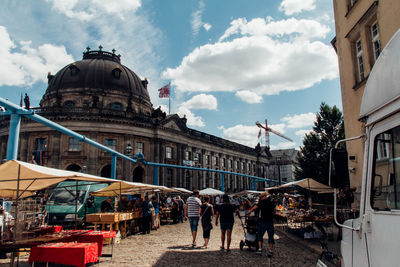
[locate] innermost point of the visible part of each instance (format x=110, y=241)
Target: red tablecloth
x=51, y=229
x=77, y=254
x=90, y=237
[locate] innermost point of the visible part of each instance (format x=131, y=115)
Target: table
x=91, y=237
x=76, y=254
x=51, y=229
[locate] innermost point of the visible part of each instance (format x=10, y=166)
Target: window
x=188, y=155
x=74, y=144
x=116, y=73
x=169, y=177
x=110, y=143
x=40, y=144
x=208, y=159
x=116, y=106
x=74, y=70
x=187, y=180
x=69, y=104
x=168, y=152
x=139, y=147
x=224, y=163
x=197, y=158
x=385, y=193
x=376, y=42
x=360, y=61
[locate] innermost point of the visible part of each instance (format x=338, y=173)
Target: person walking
x=265, y=224
x=181, y=205
x=225, y=212
x=206, y=213
x=156, y=218
x=192, y=211
x=146, y=215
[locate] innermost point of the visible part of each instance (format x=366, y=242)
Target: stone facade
x=363, y=28
x=106, y=102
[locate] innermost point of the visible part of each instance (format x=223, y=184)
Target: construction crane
x=268, y=130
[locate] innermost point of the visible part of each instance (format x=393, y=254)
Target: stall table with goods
x=114, y=220
x=165, y=215
x=67, y=253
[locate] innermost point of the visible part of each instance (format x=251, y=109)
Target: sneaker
x=259, y=251
x=270, y=253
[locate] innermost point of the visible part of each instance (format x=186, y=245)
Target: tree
x=314, y=155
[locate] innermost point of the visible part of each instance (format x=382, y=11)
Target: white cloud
x=260, y=59
x=249, y=97
x=304, y=28
x=302, y=133
x=207, y=26
x=196, y=21
x=248, y=135
x=24, y=65
x=291, y=7
x=284, y=145
x=299, y=120
x=242, y=134
x=88, y=10
x=192, y=119
x=201, y=101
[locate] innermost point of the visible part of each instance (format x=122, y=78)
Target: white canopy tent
x=26, y=178
x=211, y=192
x=127, y=188
x=183, y=190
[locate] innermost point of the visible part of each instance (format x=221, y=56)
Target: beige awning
x=28, y=178
x=126, y=188
x=307, y=183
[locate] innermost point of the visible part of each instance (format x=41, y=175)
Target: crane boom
x=273, y=131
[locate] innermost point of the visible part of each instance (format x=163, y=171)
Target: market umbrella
x=211, y=192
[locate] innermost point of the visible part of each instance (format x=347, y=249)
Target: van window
x=66, y=197
x=385, y=193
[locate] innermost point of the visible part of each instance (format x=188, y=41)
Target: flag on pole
x=20, y=102
x=164, y=91
x=259, y=134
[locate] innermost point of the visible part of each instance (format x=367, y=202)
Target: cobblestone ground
x=171, y=246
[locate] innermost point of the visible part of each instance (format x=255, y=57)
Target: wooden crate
x=109, y=217
x=95, y=217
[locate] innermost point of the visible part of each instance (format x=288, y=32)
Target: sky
x=230, y=63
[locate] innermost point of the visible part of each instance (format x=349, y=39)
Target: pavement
x=170, y=245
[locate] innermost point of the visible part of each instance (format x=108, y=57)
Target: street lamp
x=128, y=149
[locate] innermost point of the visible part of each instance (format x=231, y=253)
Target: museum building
x=107, y=102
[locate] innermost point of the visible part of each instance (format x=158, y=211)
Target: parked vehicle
x=372, y=238
x=63, y=203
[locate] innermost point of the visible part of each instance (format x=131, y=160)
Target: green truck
x=62, y=203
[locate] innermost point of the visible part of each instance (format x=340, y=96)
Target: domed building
x=108, y=103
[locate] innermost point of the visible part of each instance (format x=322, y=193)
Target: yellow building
x=363, y=28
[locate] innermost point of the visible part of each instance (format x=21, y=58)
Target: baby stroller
x=250, y=229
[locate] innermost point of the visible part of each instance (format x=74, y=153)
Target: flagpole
x=169, y=99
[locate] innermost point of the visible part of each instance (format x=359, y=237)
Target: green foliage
x=314, y=154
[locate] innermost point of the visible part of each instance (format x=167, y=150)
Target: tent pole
x=76, y=205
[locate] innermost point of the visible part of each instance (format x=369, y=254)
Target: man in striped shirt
x=192, y=210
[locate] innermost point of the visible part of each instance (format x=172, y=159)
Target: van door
x=381, y=222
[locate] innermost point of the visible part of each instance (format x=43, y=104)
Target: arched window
x=116, y=106
x=116, y=73
x=74, y=70
x=69, y=104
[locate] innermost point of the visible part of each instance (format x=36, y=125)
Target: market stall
x=296, y=218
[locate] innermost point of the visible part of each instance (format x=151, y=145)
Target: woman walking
x=225, y=212
x=206, y=213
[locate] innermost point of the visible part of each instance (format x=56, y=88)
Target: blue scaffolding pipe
x=16, y=112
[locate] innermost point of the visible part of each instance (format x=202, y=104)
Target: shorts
x=263, y=227
x=194, y=223
x=226, y=226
